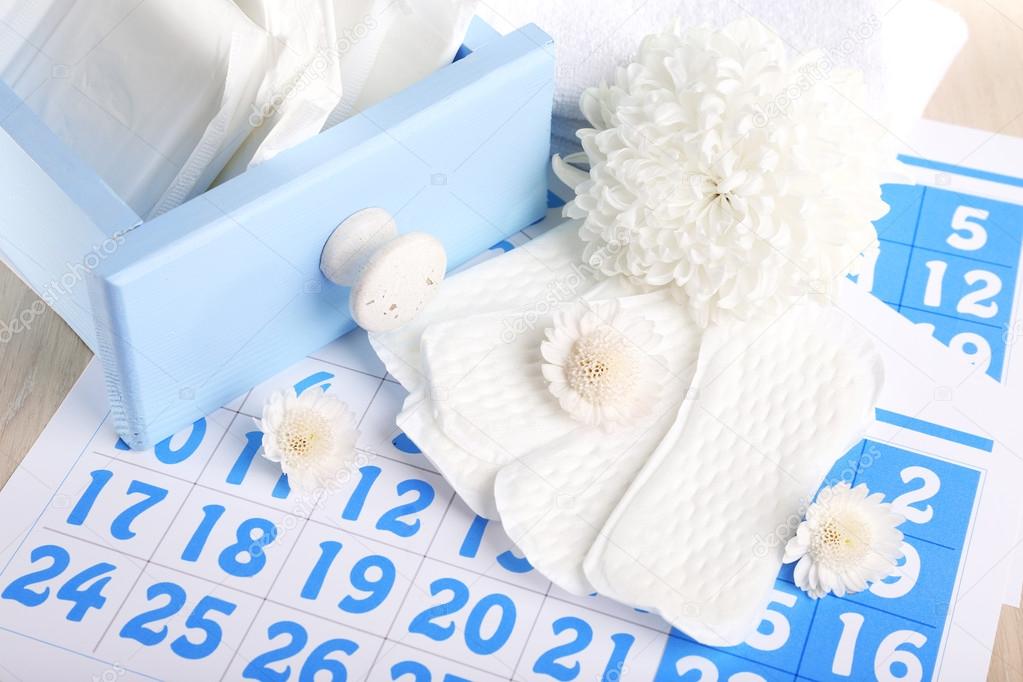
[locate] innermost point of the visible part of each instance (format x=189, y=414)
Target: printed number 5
x=780, y=628
x=977, y=235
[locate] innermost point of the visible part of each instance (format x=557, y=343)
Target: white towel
x=903, y=47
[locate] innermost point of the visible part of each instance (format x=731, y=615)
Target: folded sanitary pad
x=699, y=536
x=155, y=96
x=683, y=511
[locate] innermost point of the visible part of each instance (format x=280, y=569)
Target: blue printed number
x=317, y=661
x=121, y=526
x=84, y=589
x=376, y=589
x=474, y=538
x=244, y=558
x=392, y=521
x=417, y=672
x=426, y=622
x=550, y=662
x=253, y=442
x=198, y=619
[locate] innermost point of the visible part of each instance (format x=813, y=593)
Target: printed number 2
x=903, y=504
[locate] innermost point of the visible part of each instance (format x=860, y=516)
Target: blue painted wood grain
x=58, y=218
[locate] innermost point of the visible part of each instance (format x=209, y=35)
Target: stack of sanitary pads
x=658, y=514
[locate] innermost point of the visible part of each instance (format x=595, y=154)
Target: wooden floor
x=984, y=89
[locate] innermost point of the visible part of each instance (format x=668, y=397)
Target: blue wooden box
x=191, y=309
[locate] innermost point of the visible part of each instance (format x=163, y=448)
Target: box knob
x=392, y=277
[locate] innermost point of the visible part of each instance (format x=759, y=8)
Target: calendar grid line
x=529, y=634
x=916, y=229
x=404, y=598
x=49, y=502
x=956, y=254
x=77, y=653
x=938, y=313
x=159, y=543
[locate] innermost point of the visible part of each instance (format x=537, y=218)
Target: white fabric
x=903, y=53
x=154, y=96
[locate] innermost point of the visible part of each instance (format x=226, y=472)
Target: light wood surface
x=983, y=89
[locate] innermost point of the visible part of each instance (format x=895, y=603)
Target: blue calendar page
x=949, y=261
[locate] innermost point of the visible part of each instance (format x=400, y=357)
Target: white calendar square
x=341, y=576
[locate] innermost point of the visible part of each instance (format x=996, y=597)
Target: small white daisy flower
x=849, y=539
x=599, y=364
x=312, y=436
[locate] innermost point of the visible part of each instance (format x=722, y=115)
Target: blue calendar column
x=892, y=630
x=962, y=273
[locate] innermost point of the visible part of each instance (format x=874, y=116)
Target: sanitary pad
x=685, y=511
x=535, y=276
x=556, y=496
x=153, y=95
x=699, y=536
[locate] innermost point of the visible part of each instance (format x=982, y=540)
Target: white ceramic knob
x=392, y=277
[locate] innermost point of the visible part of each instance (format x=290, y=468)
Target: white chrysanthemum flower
x=600, y=364
x=849, y=539
x=722, y=166
x=312, y=436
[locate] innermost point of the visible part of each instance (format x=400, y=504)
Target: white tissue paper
x=774, y=406
x=303, y=84
x=154, y=96
x=392, y=44
x=336, y=58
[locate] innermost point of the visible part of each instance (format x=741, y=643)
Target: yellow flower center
x=841, y=541
x=302, y=436
x=602, y=367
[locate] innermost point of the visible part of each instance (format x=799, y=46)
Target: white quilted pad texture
x=489, y=401
x=538, y=273
x=555, y=499
x=776, y=406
